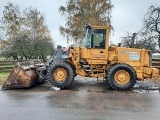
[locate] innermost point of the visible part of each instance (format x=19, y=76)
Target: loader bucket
x=21, y=78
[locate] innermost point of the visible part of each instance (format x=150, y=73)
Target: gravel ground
x=148, y=84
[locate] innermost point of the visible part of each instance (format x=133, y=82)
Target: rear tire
x=121, y=76
x=61, y=74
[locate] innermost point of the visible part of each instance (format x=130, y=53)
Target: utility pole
x=133, y=40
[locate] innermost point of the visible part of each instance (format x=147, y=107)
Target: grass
x=1, y=58
x=3, y=77
x=7, y=65
x=4, y=59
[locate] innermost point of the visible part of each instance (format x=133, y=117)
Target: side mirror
x=119, y=44
x=88, y=27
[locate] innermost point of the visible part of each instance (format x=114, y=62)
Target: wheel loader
x=121, y=67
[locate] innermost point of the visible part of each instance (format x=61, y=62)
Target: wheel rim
x=60, y=74
x=122, y=77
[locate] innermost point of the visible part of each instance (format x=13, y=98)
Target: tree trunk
x=25, y=57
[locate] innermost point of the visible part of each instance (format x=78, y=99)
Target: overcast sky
x=127, y=15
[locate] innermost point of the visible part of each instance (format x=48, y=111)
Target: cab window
x=98, y=38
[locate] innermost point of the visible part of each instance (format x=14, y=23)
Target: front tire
x=61, y=74
x=121, y=76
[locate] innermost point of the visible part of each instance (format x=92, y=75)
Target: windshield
x=87, y=39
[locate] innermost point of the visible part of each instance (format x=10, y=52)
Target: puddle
x=147, y=91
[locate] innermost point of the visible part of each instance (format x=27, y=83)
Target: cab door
x=98, y=44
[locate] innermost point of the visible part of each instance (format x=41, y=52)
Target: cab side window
x=99, y=38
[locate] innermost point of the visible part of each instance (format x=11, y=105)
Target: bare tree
x=127, y=40
x=142, y=40
x=152, y=22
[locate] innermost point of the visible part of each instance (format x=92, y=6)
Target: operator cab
x=95, y=38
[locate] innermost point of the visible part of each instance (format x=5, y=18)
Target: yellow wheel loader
x=121, y=67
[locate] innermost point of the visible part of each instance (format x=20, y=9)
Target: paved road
x=83, y=103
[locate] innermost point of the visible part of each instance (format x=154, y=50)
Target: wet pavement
x=84, y=100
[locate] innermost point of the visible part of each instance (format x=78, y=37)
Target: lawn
x=3, y=77
x=1, y=58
